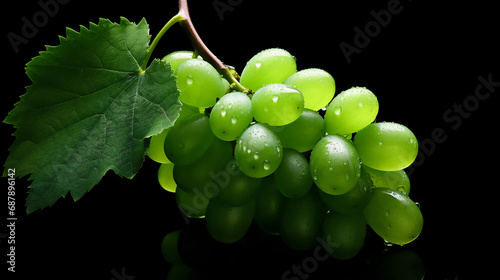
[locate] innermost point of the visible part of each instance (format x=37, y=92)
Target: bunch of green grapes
x=288, y=154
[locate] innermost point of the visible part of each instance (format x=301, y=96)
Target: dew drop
x=230, y=106
x=234, y=120
x=223, y=112
x=275, y=98
x=411, y=140
x=189, y=80
x=266, y=165
x=256, y=156
x=258, y=64
x=337, y=110
x=360, y=104
x=380, y=143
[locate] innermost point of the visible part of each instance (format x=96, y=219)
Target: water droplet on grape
x=266, y=165
x=337, y=110
x=189, y=80
x=275, y=98
x=223, y=112
x=360, y=104
x=234, y=120
x=258, y=64
x=411, y=140
x=380, y=143
x=256, y=156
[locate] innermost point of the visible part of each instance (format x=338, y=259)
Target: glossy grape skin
x=347, y=232
x=269, y=202
x=317, y=86
x=166, y=177
x=293, y=176
x=178, y=57
x=335, y=165
x=350, y=111
x=303, y=133
x=354, y=201
x=202, y=173
x=277, y=104
x=239, y=189
x=393, y=216
x=394, y=180
x=231, y=115
x=199, y=83
x=228, y=224
x=386, y=146
x=258, y=151
x=156, y=149
x=268, y=67
x=193, y=205
x=189, y=139
x=301, y=221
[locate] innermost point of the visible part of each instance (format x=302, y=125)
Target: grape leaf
x=88, y=110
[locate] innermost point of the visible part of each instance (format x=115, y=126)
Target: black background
x=426, y=60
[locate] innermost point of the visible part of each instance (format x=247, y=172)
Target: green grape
x=293, y=176
x=277, y=104
x=178, y=57
x=166, y=177
x=156, y=149
x=231, y=115
x=395, y=180
x=199, y=83
x=346, y=231
x=386, y=146
x=353, y=201
x=268, y=67
x=335, y=165
x=239, y=188
x=169, y=248
x=258, y=151
x=188, y=139
x=301, y=220
x=268, y=204
x=193, y=205
x=228, y=224
x=303, y=133
x=205, y=174
x=393, y=216
x=317, y=86
x=351, y=111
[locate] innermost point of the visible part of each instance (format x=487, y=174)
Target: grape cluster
x=276, y=157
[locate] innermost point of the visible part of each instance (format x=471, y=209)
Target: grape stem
x=184, y=19
x=204, y=51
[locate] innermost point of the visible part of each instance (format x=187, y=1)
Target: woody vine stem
x=184, y=19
